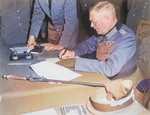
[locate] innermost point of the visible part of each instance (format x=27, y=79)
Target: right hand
x=31, y=41
x=68, y=54
x=54, y=47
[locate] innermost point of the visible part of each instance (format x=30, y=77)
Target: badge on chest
x=104, y=50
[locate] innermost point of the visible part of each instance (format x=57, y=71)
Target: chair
x=142, y=92
x=143, y=47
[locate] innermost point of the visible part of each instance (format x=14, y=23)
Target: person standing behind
x=63, y=17
x=137, y=9
x=14, y=21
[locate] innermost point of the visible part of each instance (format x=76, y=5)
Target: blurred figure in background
x=137, y=9
x=15, y=18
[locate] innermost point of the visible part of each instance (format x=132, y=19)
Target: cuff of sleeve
x=77, y=53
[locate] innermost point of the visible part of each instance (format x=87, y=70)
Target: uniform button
x=143, y=11
x=144, y=6
x=133, y=14
x=19, y=24
x=60, y=8
x=17, y=10
x=145, y=2
x=143, y=16
x=18, y=17
x=57, y=29
x=85, y=5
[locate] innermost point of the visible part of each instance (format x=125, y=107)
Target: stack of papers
x=74, y=110
x=54, y=71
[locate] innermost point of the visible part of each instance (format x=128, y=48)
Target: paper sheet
x=74, y=110
x=54, y=60
x=50, y=111
x=54, y=71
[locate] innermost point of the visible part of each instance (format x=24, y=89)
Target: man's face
x=98, y=22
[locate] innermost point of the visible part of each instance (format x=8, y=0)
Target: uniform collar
x=115, y=29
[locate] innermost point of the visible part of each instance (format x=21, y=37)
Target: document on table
x=54, y=71
x=74, y=110
x=50, y=111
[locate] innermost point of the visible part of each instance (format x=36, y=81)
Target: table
x=20, y=97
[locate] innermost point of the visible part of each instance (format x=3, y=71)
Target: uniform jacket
x=63, y=12
x=125, y=48
x=14, y=21
x=138, y=9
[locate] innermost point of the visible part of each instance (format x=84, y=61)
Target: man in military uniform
x=114, y=47
x=137, y=9
x=15, y=18
x=63, y=22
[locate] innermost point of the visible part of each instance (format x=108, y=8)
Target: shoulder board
x=122, y=32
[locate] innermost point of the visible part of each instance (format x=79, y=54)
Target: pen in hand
x=64, y=52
